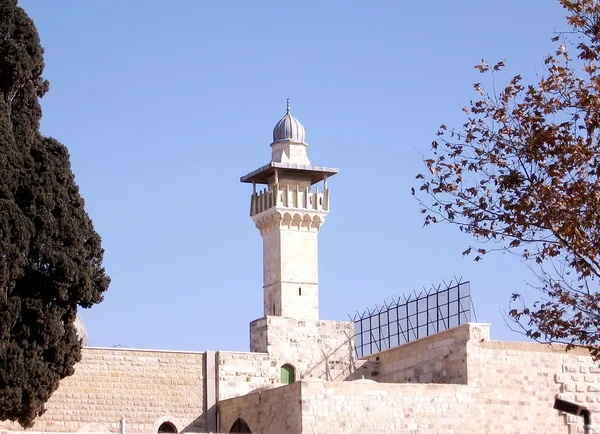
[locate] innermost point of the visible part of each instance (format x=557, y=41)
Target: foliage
x=50, y=255
x=523, y=173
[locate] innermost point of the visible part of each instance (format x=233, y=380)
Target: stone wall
x=507, y=387
x=529, y=376
x=147, y=388
x=299, y=266
x=491, y=387
x=440, y=358
x=290, y=260
x=317, y=349
x=241, y=373
x=364, y=406
x=270, y=411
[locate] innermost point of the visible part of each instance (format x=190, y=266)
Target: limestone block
x=140, y=386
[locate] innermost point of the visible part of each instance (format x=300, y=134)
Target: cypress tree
x=50, y=254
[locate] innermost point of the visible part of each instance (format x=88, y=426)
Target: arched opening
x=288, y=374
x=167, y=427
x=240, y=426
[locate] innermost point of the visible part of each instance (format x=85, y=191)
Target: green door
x=288, y=374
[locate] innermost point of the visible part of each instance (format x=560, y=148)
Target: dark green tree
x=50, y=255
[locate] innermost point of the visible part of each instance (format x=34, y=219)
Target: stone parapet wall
x=146, y=388
x=440, y=358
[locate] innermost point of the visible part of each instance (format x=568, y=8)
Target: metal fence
x=408, y=318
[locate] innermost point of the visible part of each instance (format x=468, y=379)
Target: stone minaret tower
x=289, y=212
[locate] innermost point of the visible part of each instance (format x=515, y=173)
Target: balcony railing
x=287, y=197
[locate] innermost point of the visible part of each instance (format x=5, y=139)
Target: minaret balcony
x=287, y=196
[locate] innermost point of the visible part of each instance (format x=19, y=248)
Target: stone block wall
x=290, y=261
x=440, y=358
x=270, y=411
x=363, y=406
x=317, y=349
x=490, y=387
x=498, y=402
x=507, y=387
x=147, y=388
x=299, y=283
x=241, y=373
x=529, y=376
x=368, y=407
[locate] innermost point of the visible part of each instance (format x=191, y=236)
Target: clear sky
x=165, y=104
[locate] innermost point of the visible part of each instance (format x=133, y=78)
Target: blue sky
x=164, y=105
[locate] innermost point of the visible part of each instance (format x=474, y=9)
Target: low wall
x=146, y=388
x=276, y=410
x=440, y=358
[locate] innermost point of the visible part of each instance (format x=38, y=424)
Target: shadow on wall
x=194, y=426
x=341, y=365
x=169, y=424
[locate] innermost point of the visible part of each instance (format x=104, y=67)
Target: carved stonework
x=285, y=218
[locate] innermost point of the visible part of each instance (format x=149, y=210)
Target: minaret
x=289, y=213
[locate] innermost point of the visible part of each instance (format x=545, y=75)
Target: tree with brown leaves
x=523, y=174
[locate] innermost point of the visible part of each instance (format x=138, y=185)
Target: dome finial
x=288, y=128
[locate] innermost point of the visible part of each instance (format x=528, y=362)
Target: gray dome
x=289, y=128
x=81, y=331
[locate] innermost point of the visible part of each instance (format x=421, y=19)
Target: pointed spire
x=288, y=127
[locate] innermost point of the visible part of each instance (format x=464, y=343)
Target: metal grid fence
x=408, y=318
